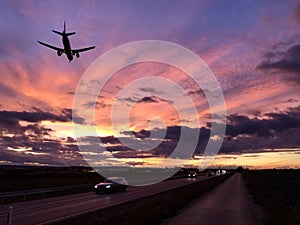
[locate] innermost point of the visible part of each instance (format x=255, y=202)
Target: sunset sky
x=252, y=48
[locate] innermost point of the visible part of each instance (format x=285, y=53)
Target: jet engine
x=59, y=53
x=77, y=54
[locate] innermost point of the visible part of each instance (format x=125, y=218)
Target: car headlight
x=107, y=186
x=96, y=186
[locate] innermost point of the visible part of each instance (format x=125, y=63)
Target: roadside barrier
x=14, y=196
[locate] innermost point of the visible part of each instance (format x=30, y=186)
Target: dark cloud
x=78, y=120
x=135, y=163
x=70, y=140
x=107, y=139
x=32, y=142
x=285, y=63
x=243, y=133
x=148, y=100
x=173, y=133
x=38, y=147
x=197, y=92
x=131, y=154
x=168, y=143
x=10, y=123
x=129, y=99
x=292, y=100
x=239, y=124
x=38, y=130
x=112, y=144
x=140, y=134
x=276, y=130
x=34, y=117
x=282, y=121
x=275, y=122
x=44, y=154
x=92, y=105
x=153, y=99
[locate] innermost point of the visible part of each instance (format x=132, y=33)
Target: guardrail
x=7, y=197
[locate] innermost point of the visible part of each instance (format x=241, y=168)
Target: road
x=227, y=204
x=50, y=209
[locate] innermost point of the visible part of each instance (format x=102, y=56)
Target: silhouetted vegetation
x=240, y=169
x=14, y=178
x=277, y=192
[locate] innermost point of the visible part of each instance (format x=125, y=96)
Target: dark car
x=192, y=174
x=210, y=174
x=111, y=184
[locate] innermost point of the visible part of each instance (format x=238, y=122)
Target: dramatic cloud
x=275, y=130
x=24, y=139
x=239, y=124
x=12, y=118
x=257, y=100
x=286, y=63
x=243, y=133
x=148, y=100
x=197, y=92
x=141, y=134
x=153, y=99
x=96, y=105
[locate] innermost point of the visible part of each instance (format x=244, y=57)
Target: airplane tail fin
x=68, y=34
x=64, y=31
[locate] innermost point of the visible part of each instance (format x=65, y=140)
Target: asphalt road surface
x=51, y=209
x=227, y=204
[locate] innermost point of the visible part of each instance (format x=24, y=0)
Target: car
x=111, y=184
x=210, y=174
x=192, y=174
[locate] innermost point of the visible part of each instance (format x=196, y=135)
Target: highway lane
x=226, y=204
x=46, y=210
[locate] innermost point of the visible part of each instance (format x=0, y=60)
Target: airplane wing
x=82, y=49
x=53, y=47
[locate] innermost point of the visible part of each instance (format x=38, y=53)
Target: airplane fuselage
x=67, y=47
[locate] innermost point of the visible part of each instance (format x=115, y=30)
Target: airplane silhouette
x=67, y=47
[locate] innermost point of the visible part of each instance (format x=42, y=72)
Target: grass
x=277, y=192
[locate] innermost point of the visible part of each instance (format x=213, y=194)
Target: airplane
x=67, y=47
